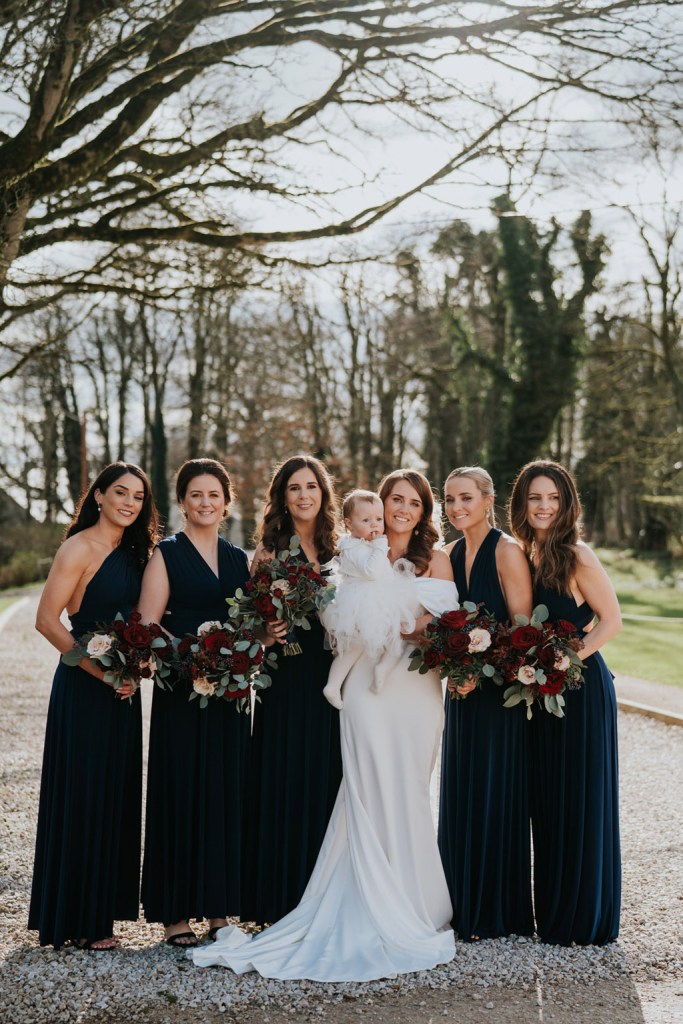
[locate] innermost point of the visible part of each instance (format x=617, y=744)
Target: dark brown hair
x=141, y=536
x=425, y=535
x=198, y=467
x=556, y=557
x=276, y=527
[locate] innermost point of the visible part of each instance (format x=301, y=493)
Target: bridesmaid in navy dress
x=484, y=834
x=573, y=775
x=197, y=756
x=296, y=754
x=87, y=862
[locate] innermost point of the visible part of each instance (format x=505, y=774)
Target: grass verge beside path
x=653, y=587
x=5, y=602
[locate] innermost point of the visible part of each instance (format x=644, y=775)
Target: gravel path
x=636, y=980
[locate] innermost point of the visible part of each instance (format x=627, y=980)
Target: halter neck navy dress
x=573, y=780
x=295, y=773
x=87, y=862
x=197, y=759
x=484, y=834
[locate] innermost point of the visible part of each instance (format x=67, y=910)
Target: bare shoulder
x=76, y=551
x=509, y=552
x=449, y=547
x=587, y=559
x=440, y=566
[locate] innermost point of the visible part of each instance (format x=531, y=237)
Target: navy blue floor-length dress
x=295, y=773
x=484, y=833
x=197, y=759
x=87, y=861
x=573, y=785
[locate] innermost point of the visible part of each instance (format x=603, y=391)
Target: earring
x=99, y=507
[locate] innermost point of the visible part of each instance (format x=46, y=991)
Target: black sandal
x=88, y=945
x=172, y=940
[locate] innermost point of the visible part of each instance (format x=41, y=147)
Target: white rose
x=204, y=687
x=480, y=640
x=206, y=627
x=527, y=675
x=281, y=585
x=99, y=644
x=562, y=663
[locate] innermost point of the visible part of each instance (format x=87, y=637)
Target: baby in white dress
x=374, y=601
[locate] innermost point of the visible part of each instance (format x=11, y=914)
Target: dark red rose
x=553, y=684
x=119, y=627
x=234, y=694
x=137, y=635
x=258, y=657
x=564, y=628
x=185, y=645
x=264, y=606
x=240, y=662
x=214, y=641
x=134, y=617
x=431, y=659
x=146, y=672
x=455, y=619
x=465, y=659
x=546, y=656
x=524, y=637
x=457, y=643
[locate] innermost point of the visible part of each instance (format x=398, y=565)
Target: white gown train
x=377, y=903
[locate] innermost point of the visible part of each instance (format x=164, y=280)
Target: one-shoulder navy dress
x=87, y=863
x=295, y=773
x=197, y=759
x=484, y=834
x=573, y=784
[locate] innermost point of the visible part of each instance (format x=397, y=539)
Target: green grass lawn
x=5, y=602
x=647, y=586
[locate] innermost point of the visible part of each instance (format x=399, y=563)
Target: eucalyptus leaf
x=488, y=670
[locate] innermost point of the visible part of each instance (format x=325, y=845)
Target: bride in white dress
x=377, y=903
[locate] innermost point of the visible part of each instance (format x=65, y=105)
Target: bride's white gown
x=377, y=903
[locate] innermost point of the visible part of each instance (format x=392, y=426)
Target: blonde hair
x=483, y=481
x=354, y=497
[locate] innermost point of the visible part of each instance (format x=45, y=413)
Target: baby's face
x=367, y=520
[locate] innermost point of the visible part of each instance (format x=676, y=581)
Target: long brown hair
x=556, y=558
x=140, y=537
x=276, y=527
x=425, y=535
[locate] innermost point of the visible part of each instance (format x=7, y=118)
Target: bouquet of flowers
x=128, y=650
x=540, y=662
x=459, y=644
x=286, y=588
x=225, y=661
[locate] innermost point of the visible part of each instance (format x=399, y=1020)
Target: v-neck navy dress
x=295, y=773
x=484, y=832
x=197, y=759
x=574, y=797
x=87, y=862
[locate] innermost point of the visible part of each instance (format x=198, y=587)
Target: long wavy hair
x=425, y=535
x=276, y=527
x=556, y=557
x=138, y=538
x=484, y=483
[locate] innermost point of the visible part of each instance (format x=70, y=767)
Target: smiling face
x=402, y=508
x=366, y=520
x=303, y=496
x=465, y=504
x=204, y=501
x=121, y=503
x=543, y=504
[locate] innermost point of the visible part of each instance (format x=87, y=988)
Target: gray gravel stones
x=147, y=979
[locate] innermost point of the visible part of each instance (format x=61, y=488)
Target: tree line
x=472, y=346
